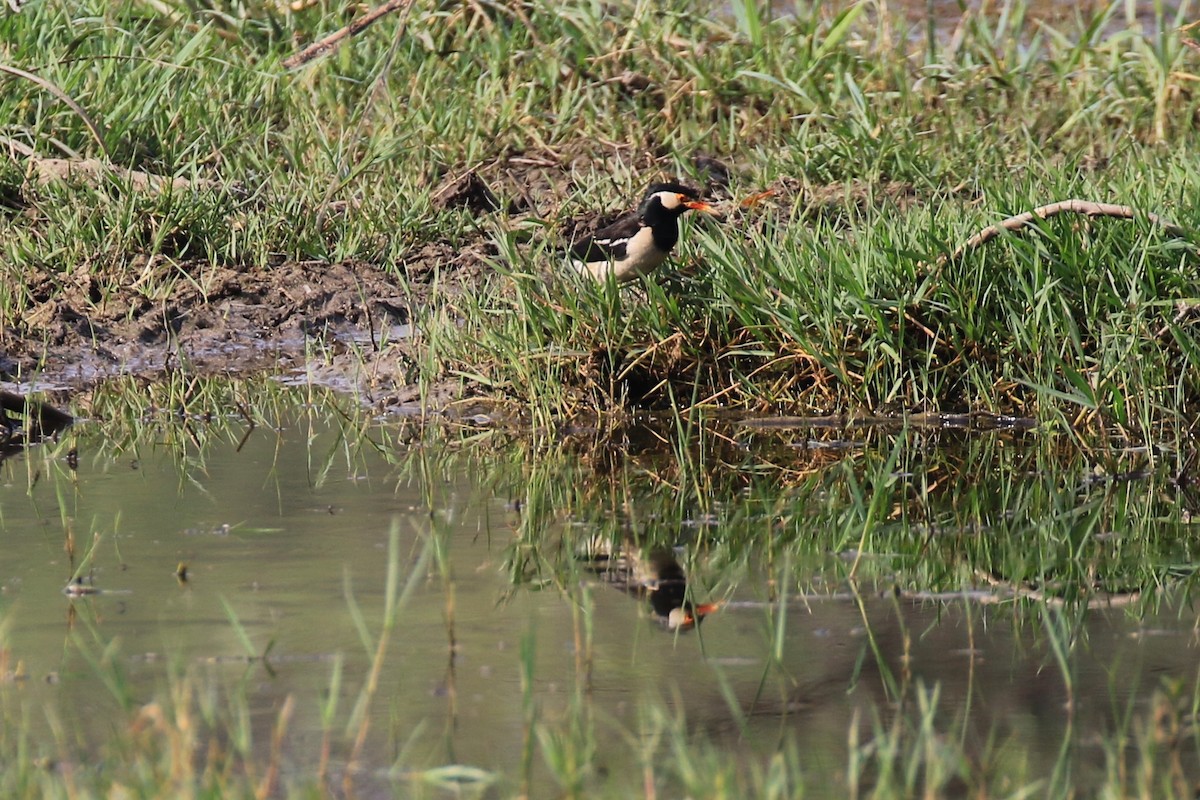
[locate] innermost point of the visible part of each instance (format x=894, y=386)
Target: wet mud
x=348, y=325
x=225, y=321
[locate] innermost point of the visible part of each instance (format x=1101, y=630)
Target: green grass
x=822, y=299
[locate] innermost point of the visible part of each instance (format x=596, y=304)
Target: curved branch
x=1063, y=206
x=320, y=48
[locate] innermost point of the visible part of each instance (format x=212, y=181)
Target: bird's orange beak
x=698, y=613
x=695, y=205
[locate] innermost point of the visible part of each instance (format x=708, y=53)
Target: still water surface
x=284, y=531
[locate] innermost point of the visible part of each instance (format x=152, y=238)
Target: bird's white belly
x=641, y=258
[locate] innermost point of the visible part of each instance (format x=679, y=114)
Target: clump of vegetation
x=885, y=146
x=843, y=292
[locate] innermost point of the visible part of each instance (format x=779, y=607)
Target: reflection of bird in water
x=655, y=575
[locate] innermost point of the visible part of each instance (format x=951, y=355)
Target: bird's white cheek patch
x=669, y=200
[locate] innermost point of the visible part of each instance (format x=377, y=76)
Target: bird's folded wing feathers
x=592, y=250
x=607, y=244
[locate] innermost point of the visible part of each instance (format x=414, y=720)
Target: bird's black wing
x=608, y=244
x=591, y=250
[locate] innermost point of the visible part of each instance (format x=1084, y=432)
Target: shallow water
x=513, y=628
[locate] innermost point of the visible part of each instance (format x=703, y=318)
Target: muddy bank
x=349, y=325
x=346, y=325
x=337, y=317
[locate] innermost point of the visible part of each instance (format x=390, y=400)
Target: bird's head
x=671, y=199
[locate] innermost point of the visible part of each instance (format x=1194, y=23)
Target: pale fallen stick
x=1183, y=310
x=1074, y=206
x=320, y=48
x=1063, y=206
x=93, y=172
x=1097, y=599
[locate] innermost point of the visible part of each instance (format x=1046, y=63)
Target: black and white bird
x=653, y=574
x=638, y=243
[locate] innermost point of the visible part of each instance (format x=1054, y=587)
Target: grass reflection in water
x=887, y=610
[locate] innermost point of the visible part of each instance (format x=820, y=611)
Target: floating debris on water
x=80, y=587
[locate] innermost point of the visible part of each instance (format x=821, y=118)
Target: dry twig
x=1074, y=206
x=320, y=48
x=1192, y=43
x=1063, y=206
